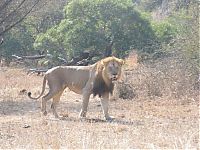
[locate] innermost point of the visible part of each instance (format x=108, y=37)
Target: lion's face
x=113, y=68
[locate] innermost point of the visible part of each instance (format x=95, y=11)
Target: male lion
x=96, y=79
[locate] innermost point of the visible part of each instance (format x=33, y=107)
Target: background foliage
x=67, y=28
x=105, y=26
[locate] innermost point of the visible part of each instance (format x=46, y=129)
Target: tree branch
x=12, y=12
x=38, y=71
x=11, y=26
x=4, y=5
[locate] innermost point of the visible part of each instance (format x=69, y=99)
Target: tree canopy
x=106, y=26
x=66, y=28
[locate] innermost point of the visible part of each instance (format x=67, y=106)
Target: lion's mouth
x=114, y=78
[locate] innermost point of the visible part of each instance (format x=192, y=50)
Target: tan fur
x=96, y=79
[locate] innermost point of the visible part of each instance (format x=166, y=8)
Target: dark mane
x=100, y=87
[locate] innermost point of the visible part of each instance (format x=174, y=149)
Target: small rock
x=23, y=92
x=26, y=126
x=122, y=115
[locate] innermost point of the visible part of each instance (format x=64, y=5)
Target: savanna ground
x=139, y=123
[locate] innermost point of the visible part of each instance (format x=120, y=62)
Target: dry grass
x=140, y=123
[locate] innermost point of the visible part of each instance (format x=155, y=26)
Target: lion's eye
x=110, y=67
x=115, y=67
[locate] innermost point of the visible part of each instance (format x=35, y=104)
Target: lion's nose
x=114, y=77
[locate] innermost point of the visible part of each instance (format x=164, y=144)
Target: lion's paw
x=109, y=118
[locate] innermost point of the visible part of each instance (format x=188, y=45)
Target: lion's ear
x=103, y=63
x=121, y=61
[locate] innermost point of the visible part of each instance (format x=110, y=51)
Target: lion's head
x=112, y=68
x=108, y=70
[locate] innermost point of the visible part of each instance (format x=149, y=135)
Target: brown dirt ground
x=150, y=124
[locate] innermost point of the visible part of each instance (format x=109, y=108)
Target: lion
x=97, y=79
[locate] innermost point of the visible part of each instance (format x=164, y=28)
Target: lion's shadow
x=11, y=107
x=22, y=107
x=97, y=120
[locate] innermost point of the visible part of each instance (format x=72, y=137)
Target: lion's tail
x=43, y=89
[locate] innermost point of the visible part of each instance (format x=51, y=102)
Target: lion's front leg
x=85, y=101
x=104, y=105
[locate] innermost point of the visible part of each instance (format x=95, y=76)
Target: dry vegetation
x=161, y=113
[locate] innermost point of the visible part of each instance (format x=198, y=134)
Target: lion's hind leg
x=45, y=98
x=56, y=100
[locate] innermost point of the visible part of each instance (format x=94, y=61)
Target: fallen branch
x=83, y=59
x=63, y=60
x=83, y=62
x=1, y=41
x=34, y=57
x=29, y=57
x=17, y=57
x=38, y=71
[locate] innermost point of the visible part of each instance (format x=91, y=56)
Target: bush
x=174, y=76
x=164, y=30
x=125, y=90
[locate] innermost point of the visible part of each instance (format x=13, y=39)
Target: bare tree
x=13, y=12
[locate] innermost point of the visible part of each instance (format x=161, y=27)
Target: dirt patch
x=142, y=124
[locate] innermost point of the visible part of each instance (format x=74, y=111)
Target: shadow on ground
x=9, y=107
x=22, y=107
x=97, y=120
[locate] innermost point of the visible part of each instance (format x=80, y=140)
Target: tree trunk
x=108, y=51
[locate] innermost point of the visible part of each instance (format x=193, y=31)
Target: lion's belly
x=77, y=86
x=75, y=89
x=77, y=81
